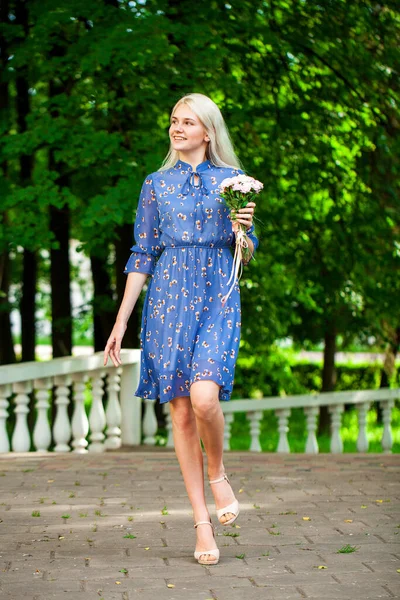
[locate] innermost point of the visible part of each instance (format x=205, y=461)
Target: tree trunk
x=60, y=275
x=103, y=303
x=60, y=279
x=388, y=369
x=29, y=269
x=7, y=354
x=328, y=376
x=27, y=306
x=122, y=245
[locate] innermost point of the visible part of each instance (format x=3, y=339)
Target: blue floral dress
x=183, y=239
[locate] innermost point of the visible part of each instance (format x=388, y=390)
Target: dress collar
x=181, y=165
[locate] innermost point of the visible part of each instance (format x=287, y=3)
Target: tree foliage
x=310, y=93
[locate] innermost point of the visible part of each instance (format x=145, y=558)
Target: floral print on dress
x=183, y=240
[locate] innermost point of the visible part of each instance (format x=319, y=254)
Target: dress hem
x=224, y=395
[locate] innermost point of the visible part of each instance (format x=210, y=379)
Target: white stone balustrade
x=80, y=422
x=21, y=441
x=41, y=430
x=113, y=411
x=311, y=404
x=311, y=413
x=150, y=425
x=336, y=412
x=121, y=421
x=227, y=431
x=283, y=415
x=5, y=393
x=362, y=439
x=62, y=426
x=97, y=417
x=387, y=439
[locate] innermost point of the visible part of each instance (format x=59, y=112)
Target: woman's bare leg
x=190, y=457
x=210, y=420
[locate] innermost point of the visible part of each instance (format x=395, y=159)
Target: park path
x=129, y=533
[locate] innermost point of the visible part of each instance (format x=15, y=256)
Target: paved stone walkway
x=119, y=526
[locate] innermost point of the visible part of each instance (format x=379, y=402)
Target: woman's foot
x=205, y=541
x=224, y=497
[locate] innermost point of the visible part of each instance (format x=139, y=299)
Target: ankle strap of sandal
x=201, y=522
x=224, y=477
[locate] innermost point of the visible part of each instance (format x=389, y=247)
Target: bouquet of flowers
x=237, y=192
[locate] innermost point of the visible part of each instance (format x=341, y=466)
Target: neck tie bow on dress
x=190, y=182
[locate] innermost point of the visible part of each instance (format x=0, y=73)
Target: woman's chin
x=178, y=145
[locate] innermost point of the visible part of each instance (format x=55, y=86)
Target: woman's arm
x=245, y=217
x=140, y=265
x=251, y=248
x=133, y=287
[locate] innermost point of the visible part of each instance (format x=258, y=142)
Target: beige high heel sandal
x=231, y=508
x=214, y=552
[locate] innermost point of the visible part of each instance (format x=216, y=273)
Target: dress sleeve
x=147, y=246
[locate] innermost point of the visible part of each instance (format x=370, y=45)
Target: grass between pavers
x=347, y=549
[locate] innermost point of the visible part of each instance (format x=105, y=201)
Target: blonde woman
x=189, y=341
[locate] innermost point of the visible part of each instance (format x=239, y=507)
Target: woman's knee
x=182, y=414
x=204, y=397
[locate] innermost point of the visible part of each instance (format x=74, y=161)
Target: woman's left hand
x=245, y=215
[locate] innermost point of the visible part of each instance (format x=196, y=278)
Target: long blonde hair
x=220, y=148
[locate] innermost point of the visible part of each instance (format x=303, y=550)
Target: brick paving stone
x=81, y=557
x=336, y=591
x=255, y=593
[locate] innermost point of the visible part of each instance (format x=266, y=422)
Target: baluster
x=80, y=423
x=362, y=439
x=5, y=393
x=387, y=438
x=228, y=417
x=311, y=413
x=41, y=430
x=97, y=416
x=131, y=406
x=62, y=427
x=255, y=417
x=150, y=425
x=283, y=415
x=336, y=420
x=168, y=421
x=113, y=411
x=20, y=441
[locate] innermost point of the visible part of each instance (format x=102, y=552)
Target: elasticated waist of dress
x=196, y=246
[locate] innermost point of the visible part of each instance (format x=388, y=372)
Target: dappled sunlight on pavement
x=119, y=525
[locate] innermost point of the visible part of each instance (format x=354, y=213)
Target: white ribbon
x=241, y=242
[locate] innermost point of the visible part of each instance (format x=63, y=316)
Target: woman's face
x=186, y=131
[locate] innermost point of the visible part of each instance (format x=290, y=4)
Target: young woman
x=189, y=340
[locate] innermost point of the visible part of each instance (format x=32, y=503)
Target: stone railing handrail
x=317, y=399
x=67, y=365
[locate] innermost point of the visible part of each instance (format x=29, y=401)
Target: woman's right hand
x=113, y=347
